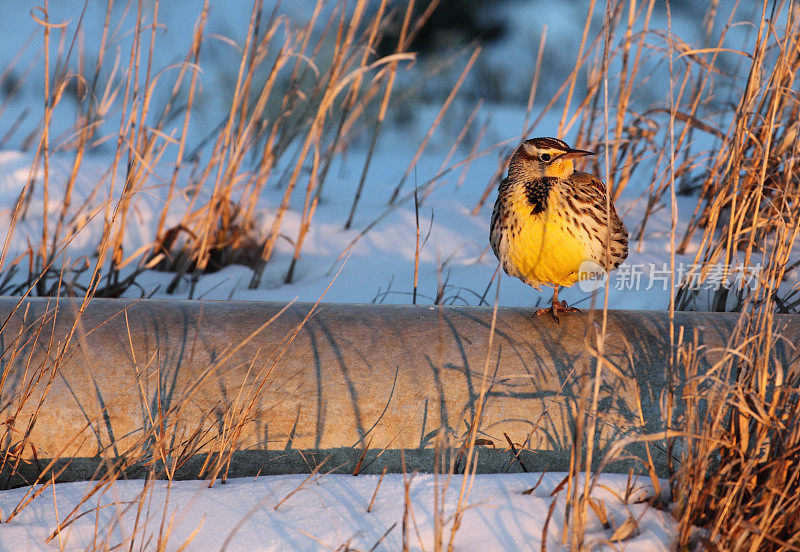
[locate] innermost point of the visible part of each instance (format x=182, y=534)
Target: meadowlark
x=548, y=219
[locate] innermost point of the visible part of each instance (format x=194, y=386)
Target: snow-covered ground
x=326, y=513
x=455, y=264
x=455, y=260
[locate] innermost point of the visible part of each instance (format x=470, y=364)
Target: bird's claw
x=555, y=308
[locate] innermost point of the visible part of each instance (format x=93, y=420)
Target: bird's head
x=541, y=157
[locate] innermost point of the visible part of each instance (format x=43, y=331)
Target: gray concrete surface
x=185, y=383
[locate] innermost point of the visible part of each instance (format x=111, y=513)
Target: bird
x=549, y=218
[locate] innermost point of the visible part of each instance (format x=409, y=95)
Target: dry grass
x=738, y=482
x=160, y=450
x=732, y=433
x=301, y=95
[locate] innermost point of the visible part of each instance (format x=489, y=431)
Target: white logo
x=591, y=276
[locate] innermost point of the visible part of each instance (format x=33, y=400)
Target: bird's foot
x=555, y=308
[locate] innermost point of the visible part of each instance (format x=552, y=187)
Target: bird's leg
x=556, y=307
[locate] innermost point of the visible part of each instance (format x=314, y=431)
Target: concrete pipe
x=208, y=388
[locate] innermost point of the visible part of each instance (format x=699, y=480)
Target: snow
x=455, y=264
x=454, y=259
x=325, y=513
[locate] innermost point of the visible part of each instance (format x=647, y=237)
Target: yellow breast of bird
x=543, y=248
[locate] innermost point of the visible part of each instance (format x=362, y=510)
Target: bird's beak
x=573, y=153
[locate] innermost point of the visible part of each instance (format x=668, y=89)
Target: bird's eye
x=545, y=157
